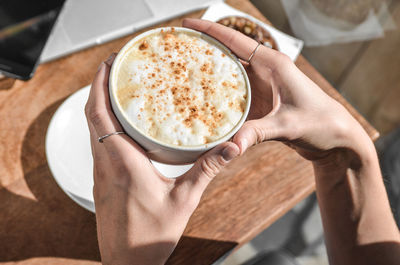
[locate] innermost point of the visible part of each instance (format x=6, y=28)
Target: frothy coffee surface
x=180, y=89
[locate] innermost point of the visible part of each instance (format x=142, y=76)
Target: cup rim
x=112, y=89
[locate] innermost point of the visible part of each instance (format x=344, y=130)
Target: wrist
x=357, y=152
x=156, y=254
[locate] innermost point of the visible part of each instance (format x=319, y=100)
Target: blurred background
x=355, y=46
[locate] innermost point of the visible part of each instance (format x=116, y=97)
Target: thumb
x=257, y=131
x=207, y=167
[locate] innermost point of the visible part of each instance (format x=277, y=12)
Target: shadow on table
x=52, y=225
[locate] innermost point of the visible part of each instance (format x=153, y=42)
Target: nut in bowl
x=178, y=93
x=250, y=29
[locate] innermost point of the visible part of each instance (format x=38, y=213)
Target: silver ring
x=252, y=54
x=101, y=139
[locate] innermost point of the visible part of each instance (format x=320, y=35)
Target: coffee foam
x=180, y=89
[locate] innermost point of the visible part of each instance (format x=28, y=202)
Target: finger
x=206, y=168
x=98, y=108
x=101, y=119
x=99, y=114
x=257, y=131
x=238, y=43
x=98, y=151
x=93, y=111
x=89, y=109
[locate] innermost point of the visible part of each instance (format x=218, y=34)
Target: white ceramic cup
x=157, y=150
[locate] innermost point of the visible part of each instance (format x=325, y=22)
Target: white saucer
x=69, y=154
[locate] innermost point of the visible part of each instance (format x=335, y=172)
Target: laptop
x=84, y=23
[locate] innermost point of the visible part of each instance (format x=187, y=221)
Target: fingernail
x=229, y=152
x=243, y=145
x=110, y=59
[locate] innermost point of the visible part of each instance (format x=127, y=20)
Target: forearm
x=354, y=207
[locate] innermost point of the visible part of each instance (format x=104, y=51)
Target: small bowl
x=157, y=150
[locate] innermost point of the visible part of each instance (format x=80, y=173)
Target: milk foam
x=180, y=89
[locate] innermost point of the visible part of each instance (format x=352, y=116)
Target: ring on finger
x=101, y=138
x=253, y=52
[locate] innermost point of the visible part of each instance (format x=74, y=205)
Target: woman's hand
x=140, y=214
x=286, y=104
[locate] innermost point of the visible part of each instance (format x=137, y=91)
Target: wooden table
x=39, y=224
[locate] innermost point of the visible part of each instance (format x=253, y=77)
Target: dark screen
x=24, y=28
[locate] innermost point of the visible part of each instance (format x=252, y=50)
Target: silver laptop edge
x=51, y=51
